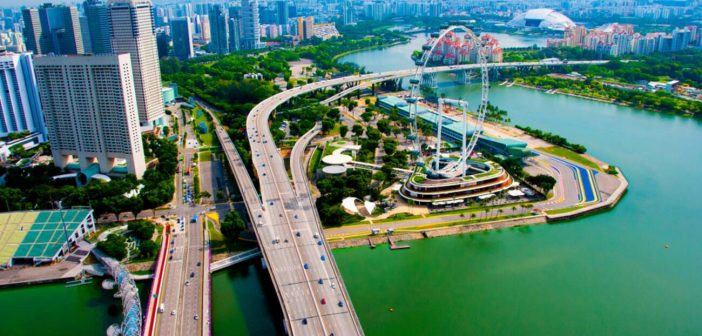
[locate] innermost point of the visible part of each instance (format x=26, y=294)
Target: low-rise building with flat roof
x=36, y=237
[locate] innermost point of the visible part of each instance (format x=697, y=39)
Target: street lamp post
x=63, y=223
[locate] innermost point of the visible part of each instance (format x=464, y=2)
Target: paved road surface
x=183, y=302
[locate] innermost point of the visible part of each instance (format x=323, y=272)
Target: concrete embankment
x=609, y=203
x=440, y=232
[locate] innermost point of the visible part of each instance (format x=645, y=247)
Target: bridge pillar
x=464, y=76
x=430, y=80
x=496, y=73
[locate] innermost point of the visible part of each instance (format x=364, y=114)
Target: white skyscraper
x=91, y=110
x=19, y=98
x=133, y=33
x=251, y=35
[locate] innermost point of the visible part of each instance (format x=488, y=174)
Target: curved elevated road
x=308, y=284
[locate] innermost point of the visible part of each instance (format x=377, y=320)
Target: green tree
x=148, y=249
x=357, y=129
x=384, y=126
x=114, y=246
x=343, y=129
x=141, y=229
x=232, y=225
x=389, y=146
x=19, y=151
x=327, y=125
x=544, y=182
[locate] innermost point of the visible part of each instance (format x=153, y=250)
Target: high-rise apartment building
x=235, y=29
x=205, y=33
x=163, y=43
x=98, y=15
x=282, y=12
x=19, y=98
x=53, y=29
x=32, y=29
x=182, y=33
x=305, y=27
x=681, y=39
x=219, y=30
x=251, y=32
x=347, y=13
x=91, y=111
x=85, y=34
x=133, y=33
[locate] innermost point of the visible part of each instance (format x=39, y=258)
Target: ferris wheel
x=458, y=167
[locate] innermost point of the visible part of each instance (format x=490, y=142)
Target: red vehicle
x=187, y=171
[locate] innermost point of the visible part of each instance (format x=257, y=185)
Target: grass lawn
x=102, y=228
x=205, y=156
x=397, y=217
x=217, y=241
x=570, y=155
x=564, y=210
x=329, y=149
x=477, y=209
x=314, y=161
x=220, y=244
x=207, y=139
x=334, y=131
x=465, y=222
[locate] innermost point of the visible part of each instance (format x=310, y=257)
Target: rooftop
x=36, y=234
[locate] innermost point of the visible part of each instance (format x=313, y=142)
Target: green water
x=604, y=274
x=399, y=57
x=53, y=309
x=244, y=303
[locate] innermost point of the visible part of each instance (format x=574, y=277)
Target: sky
x=18, y=3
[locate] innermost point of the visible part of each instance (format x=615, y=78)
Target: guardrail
x=157, y=285
x=207, y=285
x=235, y=259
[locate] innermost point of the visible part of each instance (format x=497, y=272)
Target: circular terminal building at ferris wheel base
x=482, y=180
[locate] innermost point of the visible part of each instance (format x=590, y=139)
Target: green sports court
x=32, y=237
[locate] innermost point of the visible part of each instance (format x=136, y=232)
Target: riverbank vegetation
x=553, y=139
x=621, y=80
x=660, y=101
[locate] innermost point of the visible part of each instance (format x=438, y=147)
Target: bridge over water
x=308, y=284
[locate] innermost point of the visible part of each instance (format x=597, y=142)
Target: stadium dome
x=543, y=18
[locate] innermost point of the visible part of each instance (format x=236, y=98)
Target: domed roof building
x=543, y=18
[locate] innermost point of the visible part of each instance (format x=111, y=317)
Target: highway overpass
x=308, y=284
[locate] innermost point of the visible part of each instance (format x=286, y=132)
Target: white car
x=173, y=312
